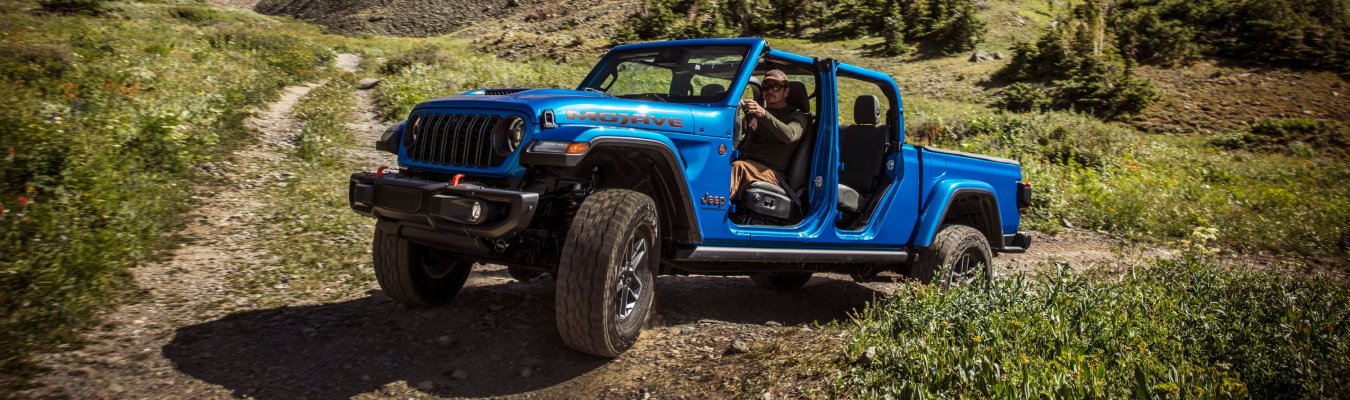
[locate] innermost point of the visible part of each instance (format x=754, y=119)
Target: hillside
x=174, y=222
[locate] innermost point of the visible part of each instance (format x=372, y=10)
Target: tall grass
x=101, y=123
x=1175, y=329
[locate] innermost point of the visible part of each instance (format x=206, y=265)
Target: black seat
x=862, y=150
x=712, y=90
x=782, y=200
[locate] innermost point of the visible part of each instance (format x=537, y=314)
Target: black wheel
x=964, y=253
x=605, y=280
x=523, y=274
x=416, y=275
x=790, y=280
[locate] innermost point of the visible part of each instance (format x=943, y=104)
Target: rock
x=738, y=347
x=513, y=3
x=998, y=55
x=526, y=372
x=426, y=385
x=446, y=341
x=368, y=83
x=773, y=323
x=365, y=378
x=981, y=56
x=460, y=374
x=867, y=356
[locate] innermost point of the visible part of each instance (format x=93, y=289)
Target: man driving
x=772, y=134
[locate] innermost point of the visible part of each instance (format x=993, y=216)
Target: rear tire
x=790, y=280
x=416, y=275
x=605, y=279
x=964, y=253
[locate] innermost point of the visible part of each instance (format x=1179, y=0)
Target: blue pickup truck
x=628, y=177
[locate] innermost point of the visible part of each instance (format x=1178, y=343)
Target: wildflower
x=2, y=210
x=978, y=339
x=23, y=201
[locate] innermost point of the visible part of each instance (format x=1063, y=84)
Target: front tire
x=964, y=253
x=416, y=275
x=605, y=279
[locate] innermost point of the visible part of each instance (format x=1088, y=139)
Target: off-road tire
x=789, y=280
x=603, y=236
x=416, y=275
x=523, y=274
x=951, y=242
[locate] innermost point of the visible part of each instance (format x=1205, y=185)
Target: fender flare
x=939, y=205
x=671, y=179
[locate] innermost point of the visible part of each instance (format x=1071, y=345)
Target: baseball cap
x=776, y=75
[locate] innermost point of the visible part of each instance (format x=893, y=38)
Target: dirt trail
x=189, y=285
x=192, y=335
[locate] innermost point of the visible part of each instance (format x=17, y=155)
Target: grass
x=319, y=247
x=442, y=67
x=1109, y=177
x=1173, y=329
x=101, y=123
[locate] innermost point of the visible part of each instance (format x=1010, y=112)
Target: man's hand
x=753, y=108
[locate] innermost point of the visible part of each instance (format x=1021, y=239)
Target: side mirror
x=391, y=138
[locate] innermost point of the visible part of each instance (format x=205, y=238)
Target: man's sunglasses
x=774, y=87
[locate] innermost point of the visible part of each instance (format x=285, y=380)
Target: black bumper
x=438, y=206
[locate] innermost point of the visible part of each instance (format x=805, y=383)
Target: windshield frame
x=604, y=70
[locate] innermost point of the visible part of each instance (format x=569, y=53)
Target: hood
x=576, y=107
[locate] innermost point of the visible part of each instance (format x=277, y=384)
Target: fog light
x=476, y=211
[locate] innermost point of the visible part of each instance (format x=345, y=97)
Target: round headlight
x=509, y=133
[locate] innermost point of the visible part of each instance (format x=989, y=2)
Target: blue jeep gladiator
x=628, y=177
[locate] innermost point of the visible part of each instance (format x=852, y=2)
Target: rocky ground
x=1210, y=98
x=192, y=333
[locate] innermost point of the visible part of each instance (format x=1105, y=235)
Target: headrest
x=867, y=110
x=797, y=96
x=712, y=89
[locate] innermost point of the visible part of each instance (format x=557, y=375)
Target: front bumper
x=465, y=210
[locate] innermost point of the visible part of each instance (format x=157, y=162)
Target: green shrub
x=195, y=14
x=86, y=7
x=423, y=55
x=1175, y=329
x=1022, y=97
x=936, y=26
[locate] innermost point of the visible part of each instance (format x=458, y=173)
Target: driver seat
x=781, y=201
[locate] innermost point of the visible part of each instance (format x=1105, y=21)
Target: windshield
x=687, y=74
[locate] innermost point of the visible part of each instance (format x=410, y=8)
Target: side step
x=743, y=254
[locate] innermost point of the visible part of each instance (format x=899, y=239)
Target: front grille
x=463, y=140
